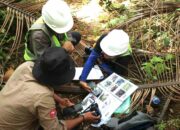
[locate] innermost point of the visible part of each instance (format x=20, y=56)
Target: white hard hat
x=57, y=15
x=115, y=43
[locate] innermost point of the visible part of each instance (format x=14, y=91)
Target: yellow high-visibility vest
x=40, y=25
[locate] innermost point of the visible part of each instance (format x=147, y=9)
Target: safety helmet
x=57, y=15
x=115, y=43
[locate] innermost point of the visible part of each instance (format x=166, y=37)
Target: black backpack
x=135, y=121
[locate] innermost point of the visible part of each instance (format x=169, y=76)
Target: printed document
x=109, y=94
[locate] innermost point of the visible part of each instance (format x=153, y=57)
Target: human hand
x=89, y=116
x=65, y=102
x=85, y=86
x=68, y=46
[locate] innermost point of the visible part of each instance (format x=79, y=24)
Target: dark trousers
x=120, y=65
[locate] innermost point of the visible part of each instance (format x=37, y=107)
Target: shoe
x=88, y=50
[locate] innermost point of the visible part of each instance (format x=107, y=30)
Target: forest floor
x=91, y=21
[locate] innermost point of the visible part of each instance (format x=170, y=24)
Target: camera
x=94, y=108
x=72, y=110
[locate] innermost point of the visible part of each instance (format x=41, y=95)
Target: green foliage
x=2, y=54
x=106, y=3
x=5, y=38
x=170, y=124
x=113, y=5
x=161, y=126
x=157, y=33
x=117, y=21
x=174, y=123
x=2, y=16
x=148, y=67
x=169, y=57
x=156, y=66
x=162, y=40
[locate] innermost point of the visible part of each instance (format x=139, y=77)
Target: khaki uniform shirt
x=25, y=104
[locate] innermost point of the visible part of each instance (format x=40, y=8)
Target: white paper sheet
x=94, y=74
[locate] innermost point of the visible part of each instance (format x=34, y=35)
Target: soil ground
x=87, y=23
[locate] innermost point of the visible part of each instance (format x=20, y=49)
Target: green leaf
x=169, y=57
x=114, y=21
x=3, y=30
x=156, y=59
x=148, y=68
x=166, y=41
x=1, y=57
x=154, y=77
x=158, y=33
x=160, y=68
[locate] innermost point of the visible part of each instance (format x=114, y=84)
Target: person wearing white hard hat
x=113, y=49
x=52, y=29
